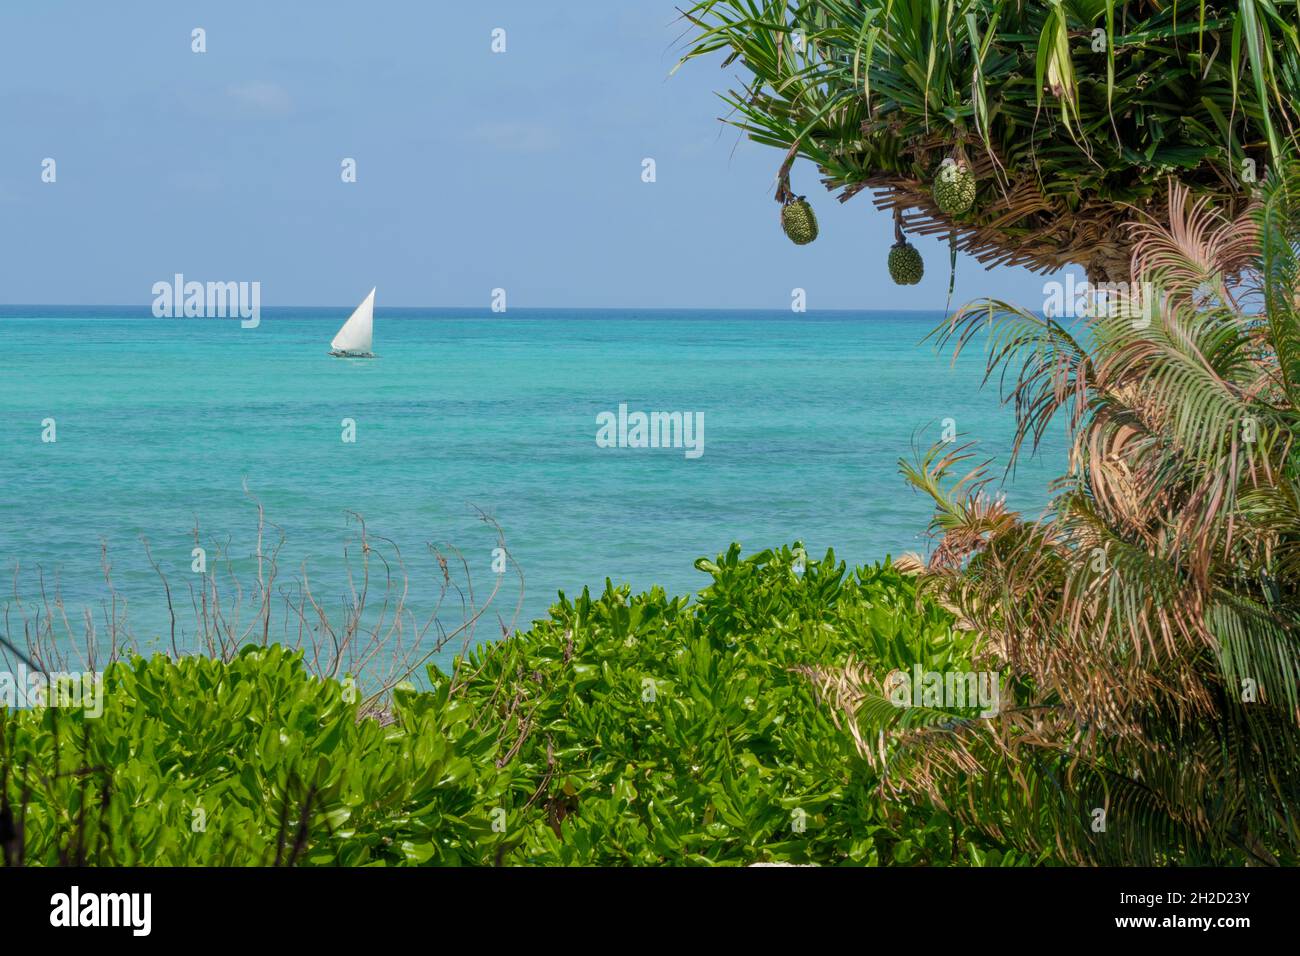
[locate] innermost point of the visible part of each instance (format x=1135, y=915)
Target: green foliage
x=1075, y=109
x=250, y=762
x=630, y=729
x=685, y=733
x=1152, y=618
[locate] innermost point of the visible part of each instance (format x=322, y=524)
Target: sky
x=475, y=170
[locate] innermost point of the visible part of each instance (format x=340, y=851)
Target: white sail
x=358, y=331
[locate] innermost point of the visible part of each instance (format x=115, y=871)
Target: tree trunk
x=1110, y=260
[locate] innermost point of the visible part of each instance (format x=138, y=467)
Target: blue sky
x=475, y=170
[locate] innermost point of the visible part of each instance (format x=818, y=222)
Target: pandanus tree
x=1067, y=116
x=1148, y=624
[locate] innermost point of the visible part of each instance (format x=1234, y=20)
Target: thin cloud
x=262, y=98
x=515, y=137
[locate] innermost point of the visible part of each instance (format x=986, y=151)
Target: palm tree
x=1148, y=625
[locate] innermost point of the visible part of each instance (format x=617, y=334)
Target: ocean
x=164, y=425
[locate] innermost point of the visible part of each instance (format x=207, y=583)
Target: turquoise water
x=160, y=422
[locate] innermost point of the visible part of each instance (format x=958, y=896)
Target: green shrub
x=676, y=732
x=622, y=730
x=200, y=762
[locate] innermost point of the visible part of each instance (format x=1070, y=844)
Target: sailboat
x=354, y=339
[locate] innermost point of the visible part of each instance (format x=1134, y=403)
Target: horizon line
x=480, y=308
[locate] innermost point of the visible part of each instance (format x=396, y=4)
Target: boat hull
x=341, y=354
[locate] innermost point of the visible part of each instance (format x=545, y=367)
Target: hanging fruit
x=905, y=263
x=797, y=217
x=954, y=187
x=798, y=221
